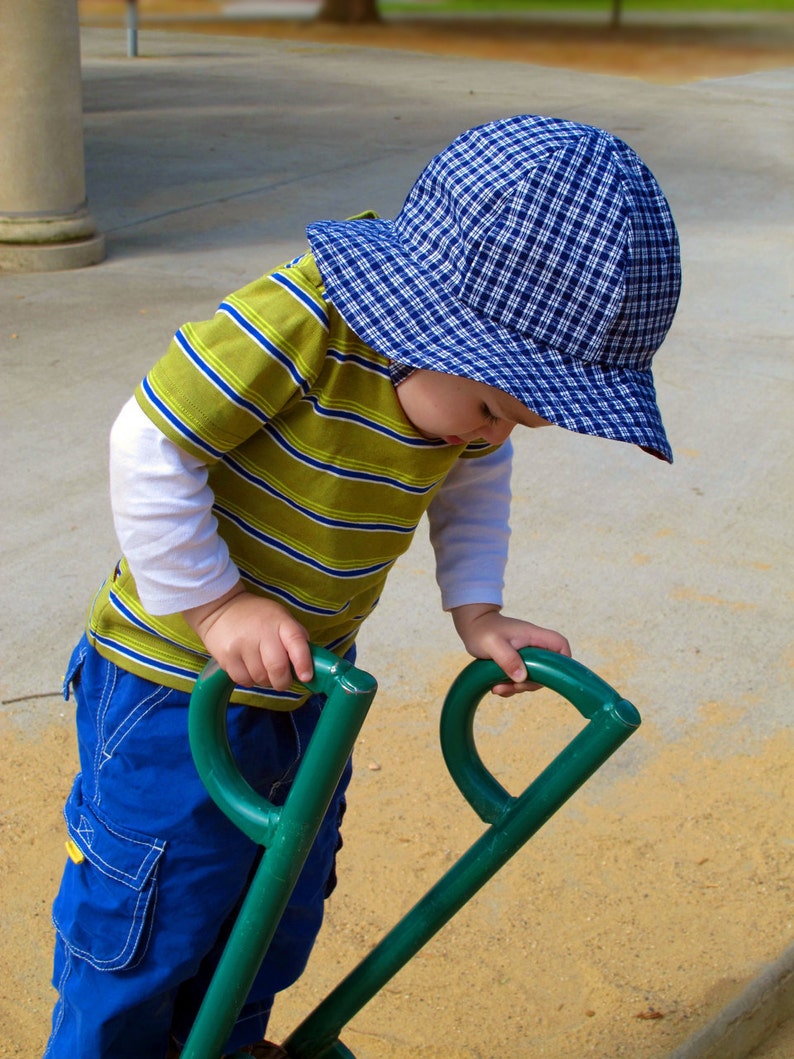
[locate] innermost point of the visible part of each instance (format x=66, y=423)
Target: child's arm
x=469, y=530
x=162, y=508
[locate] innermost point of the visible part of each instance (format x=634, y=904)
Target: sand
x=642, y=908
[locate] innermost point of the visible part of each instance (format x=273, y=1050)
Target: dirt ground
x=641, y=909
x=628, y=922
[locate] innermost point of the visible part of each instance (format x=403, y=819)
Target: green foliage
x=453, y=7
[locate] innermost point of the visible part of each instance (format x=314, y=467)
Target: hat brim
x=401, y=310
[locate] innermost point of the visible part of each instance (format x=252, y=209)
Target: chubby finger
x=245, y=666
x=279, y=673
x=553, y=641
x=510, y=661
x=506, y=690
x=238, y=672
x=296, y=644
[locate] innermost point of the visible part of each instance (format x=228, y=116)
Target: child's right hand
x=255, y=640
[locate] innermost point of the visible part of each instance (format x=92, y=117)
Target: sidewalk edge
x=748, y=1020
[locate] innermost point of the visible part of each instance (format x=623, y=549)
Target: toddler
x=266, y=476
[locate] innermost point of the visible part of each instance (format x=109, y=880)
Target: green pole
x=287, y=832
x=514, y=820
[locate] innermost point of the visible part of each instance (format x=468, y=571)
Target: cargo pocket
x=105, y=905
x=72, y=675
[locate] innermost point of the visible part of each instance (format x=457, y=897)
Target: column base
x=51, y=257
x=49, y=242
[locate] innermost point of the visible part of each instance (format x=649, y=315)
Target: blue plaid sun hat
x=533, y=254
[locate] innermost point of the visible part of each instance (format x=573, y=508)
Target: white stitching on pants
x=104, y=705
x=58, y=1020
x=108, y=744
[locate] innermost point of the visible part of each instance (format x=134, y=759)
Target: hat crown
x=555, y=230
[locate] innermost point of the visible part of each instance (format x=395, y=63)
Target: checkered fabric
x=534, y=254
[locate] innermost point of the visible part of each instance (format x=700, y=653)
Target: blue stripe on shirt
x=323, y=520
x=293, y=553
x=217, y=379
x=355, y=417
x=345, y=472
x=188, y=434
x=264, y=343
x=289, y=597
x=306, y=300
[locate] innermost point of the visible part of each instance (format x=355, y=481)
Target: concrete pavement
x=205, y=159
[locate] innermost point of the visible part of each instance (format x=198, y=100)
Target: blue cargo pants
x=156, y=871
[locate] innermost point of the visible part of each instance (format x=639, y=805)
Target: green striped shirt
x=319, y=479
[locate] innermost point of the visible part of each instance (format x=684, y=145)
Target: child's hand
x=487, y=633
x=255, y=640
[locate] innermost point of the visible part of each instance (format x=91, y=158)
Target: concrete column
x=44, y=219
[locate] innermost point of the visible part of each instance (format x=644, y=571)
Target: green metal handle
x=611, y=720
x=209, y=739
x=591, y=696
x=287, y=831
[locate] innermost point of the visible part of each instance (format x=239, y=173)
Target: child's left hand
x=487, y=633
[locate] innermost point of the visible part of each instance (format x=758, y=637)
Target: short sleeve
x=222, y=379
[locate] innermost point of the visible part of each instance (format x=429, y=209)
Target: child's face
x=459, y=410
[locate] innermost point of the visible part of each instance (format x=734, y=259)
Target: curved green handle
x=286, y=831
x=209, y=739
x=596, y=700
x=513, y=820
